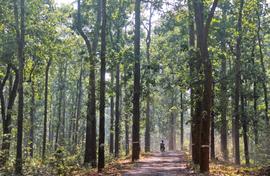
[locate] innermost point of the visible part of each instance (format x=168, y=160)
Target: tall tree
x=20, y=36
x=238, y=82
x=223, y=86
x=148, y=98
x=90, y=144
x=101, y=150
x=202, y=38
x=112, y=115
x=136, y=91
x=45, y=108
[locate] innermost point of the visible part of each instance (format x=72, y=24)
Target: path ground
x=160, y=164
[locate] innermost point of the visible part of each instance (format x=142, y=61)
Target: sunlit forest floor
x=150, y=164
x=170, y=164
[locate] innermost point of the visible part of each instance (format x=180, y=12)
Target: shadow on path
x=160, y=164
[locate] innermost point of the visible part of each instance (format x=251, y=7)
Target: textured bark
x=202, y=35
x=126, y=101
x=112, y=117
x=148, y=98
x=182, y=122
x=193, y=147
x=172, y=132
x=117, y=111
x=45, y=109
x=20, y=35
x=255, y=99
x=79, y=103
x=213, y=152
x=90, y=143
x=137, y=78
x=223, y=90
x=237, y=83
x=244, y=120
x=101, y=150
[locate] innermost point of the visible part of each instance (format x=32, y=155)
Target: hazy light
x=59, y=2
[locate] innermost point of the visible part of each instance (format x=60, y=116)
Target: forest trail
x=160, y=164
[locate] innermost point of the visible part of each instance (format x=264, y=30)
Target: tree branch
x=210, y=16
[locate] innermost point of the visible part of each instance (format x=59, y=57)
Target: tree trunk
x=255, y=99
x=148, y=45
x=32, y=118
x=45, y=109
x=117, y=111
x=202, y=35
x=90, y=143
x=244, y=121
x=182, y=122
x=79, y=103
x=223, y=90
x=126, y=100
x=112, y=116
x=237, y=83
x=213, y=152
x=193, y=148
x=137, y=77
x=20, y=34
x=101, y=150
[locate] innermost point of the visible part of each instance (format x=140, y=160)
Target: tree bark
x=20, y=35
x=223, y=90
x=202, y=35
x=182, y=122
x=101, y=150
x=148, y=98
x=238, y=83
x=136, y=93
x=90, y=143
x=45, y=108
x=244, y=121
x=112, y=117
x=117, y=111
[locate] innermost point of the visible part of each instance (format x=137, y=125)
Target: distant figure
x=162, y=146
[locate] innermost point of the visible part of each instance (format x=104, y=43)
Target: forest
x=134, y=87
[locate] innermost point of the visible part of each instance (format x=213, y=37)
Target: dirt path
x=160, y=164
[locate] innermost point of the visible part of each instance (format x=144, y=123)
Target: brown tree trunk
x=244, y=121
x=126, y=100
x=101, y=150
x=112, y=116
x=45, y=109
x=238, y=83
x=147, y=120
x=223, y=90
x=137, y=78
x=79, y=103
x=20, y=35
x=182, y=122
x=117, y=111
x=202, y=35
x=90, y=143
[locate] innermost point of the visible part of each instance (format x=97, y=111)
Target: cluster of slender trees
x=143, y=64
